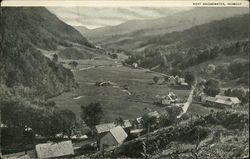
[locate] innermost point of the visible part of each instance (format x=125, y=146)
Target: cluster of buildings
x=113, y=134
x=218, y=101
x=166, y=99
x=176, y=80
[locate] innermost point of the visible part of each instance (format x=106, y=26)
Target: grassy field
x=115, y=101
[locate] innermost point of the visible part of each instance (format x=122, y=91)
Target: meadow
x=115, y=100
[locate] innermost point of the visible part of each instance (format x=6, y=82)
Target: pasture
x=115, y=100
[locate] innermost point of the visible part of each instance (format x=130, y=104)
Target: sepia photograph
x=129, y=79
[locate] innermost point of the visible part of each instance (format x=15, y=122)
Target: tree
x=67, y=121
x=148, y=122
x=166, y=79
x=189, y=78
x=73, y=64
x=119, y=121
x=173, y=112
x=91, y=114
x=212, y=87
x=155, y=79
x=238, y=92
x=228, y=92
x=165, y=121
x=55, y=58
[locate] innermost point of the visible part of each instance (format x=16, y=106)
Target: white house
x=135, y=65
x=172, y=80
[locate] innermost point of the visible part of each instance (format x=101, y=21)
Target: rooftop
x=119, y=134
x=108, y=126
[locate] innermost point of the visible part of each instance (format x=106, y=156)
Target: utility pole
x=148, y=129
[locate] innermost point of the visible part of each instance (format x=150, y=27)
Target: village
x=108, y=136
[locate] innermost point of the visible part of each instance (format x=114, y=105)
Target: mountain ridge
x=138, y=30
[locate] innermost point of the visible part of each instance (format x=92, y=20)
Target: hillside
x=130, y=35
x=212, y=43
x=24, y=32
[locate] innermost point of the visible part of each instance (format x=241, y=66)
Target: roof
x=154, y=114
x=136, y=131
x=172, y=77
x=223, y=100
x=104, y=127
x=234, y=100
x=49, y=150
x=119, y=134
x=139, y=119
x=211, y=99
x=108, y=126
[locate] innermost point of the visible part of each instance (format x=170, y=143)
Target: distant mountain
x=222, y=43
x=130, y=35
x=24, y=32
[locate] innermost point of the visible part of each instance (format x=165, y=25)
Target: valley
x=115, y=101
x=173, y=86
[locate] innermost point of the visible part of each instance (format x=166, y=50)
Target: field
x=115, y=100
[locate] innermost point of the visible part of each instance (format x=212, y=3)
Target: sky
x=95, y=17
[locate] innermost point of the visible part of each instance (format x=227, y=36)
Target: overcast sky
x=95, y=17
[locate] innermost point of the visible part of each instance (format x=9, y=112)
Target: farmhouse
x=222, y=101
x=137, y=123
x=104, y=128
x=166, y=100
x=172, y=80
x=114, y=137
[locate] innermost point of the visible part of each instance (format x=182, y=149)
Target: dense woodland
x=28, y=78
x=216, y=41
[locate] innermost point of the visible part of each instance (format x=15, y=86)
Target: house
x=166, y=100
x=233, y=101
x=52, y=149
x=172, y=80
x=177, y=78
x=104, y=128
x=137, y=123
x=200, y=97
x=114, y=137
x=135, y=65
x=180, y=80
x=222, y=101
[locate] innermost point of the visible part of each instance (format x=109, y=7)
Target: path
x=189, y=101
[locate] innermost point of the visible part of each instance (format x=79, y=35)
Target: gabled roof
x=119, y=134
x=211, y=99
x=234, y=100
x=172, y=77
x=104, y=127
x=108, y=126
x=48, y=150
x=139, y=119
